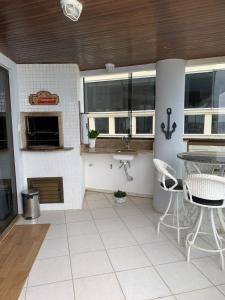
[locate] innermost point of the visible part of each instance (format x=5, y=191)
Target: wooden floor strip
x=18, y=251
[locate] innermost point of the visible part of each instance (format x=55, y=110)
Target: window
x=205, y=93
x=198, y=90
x=143, y=93
x=3, y=132
x=106, y=96
x=194, y=124
x=122, y=125
x=218, y=124
x=110, y=99
x=120, y=104
x=102, y=125
x=144, y=125
x=219, y=89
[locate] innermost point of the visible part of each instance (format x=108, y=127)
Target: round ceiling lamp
x=72, y=9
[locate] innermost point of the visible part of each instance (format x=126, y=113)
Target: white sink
x=123, y=157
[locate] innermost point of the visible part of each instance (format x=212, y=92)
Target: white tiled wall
x=59, y=79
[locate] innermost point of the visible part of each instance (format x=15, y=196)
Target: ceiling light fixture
x=72, y=9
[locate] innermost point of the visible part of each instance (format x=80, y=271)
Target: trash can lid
x=30, y=192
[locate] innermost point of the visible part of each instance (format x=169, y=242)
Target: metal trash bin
x=31, y=205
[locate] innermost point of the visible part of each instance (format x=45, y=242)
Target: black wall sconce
x=168, y=132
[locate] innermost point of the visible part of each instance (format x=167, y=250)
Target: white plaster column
x=170, y=85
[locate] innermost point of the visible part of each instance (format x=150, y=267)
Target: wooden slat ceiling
x=124, y=32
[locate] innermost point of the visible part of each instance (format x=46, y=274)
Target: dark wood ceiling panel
x=125, y=32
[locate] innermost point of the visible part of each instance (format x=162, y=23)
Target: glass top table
x=207, y=157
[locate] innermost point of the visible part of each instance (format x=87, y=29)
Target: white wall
x=100, y=176
x=13, y=80
x=61, y=79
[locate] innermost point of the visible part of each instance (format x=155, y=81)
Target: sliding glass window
x=121, y=104
x=8, y=199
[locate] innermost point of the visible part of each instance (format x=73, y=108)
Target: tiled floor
x=109, y=251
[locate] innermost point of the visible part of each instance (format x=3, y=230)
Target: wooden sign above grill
x=43, y=98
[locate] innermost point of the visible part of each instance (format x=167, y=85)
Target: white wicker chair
x=208, y=193
x=166, y=176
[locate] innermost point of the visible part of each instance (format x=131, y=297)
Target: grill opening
x=42, y=131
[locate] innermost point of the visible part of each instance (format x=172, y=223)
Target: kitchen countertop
x=97, y=150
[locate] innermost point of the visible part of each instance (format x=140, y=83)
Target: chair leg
x=166, y=212
x=190, y=243
x=217, y=238
x=178, y=221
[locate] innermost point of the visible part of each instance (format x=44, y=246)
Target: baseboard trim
x=111, y=192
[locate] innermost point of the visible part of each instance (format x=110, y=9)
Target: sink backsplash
x=119, y=144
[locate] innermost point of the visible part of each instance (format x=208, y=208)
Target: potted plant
x=92, y=135
x=120, y=196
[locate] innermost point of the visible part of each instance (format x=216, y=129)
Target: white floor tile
x=171, y=234
x=22, y=295
x=52, y=217
x=211, y=268
x=139, y=201
x=50, y=270
x=167, y=298
x=142, y=284
x=115, y=239
x=85, y=243
x=77, y=215
x=56, y=232
x=80, y=228
x=128, y=258
x=51, y=278
x=182, y=277
x=53, y=248
x=110, y=225
x=146, y=207
x=162, y=253
x=101, y=287
x=54, y=291
x=94, y=196
x=152, y=215
x=104, y=213
x=136, y=221
x=147, y=234
x=91, y=263
x=195, y=253
x=22, y=221
x=206, y=294
x=102, y=202
x=222, y=288
x=128, y=211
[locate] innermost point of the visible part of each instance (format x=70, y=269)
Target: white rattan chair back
x=205, y=186
x=165, y=171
